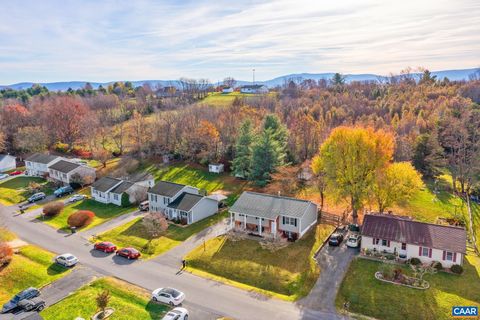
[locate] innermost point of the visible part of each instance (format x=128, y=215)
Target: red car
x=16, y=173
x=129, y=253
x=105, y=246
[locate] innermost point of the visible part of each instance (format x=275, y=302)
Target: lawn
x=133, y=234
x=14, y=190
x=103, y=212
x=6, y=235
x=31, y=267
x=224, y=99
x=129, y=302
x=288, y=273
x=370, y=297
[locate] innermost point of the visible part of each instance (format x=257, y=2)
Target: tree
x=243, y=151
x=125, y=200
x=102, y=155
x=279, y=133
x=350, y=159
x=230, y=82
x=395, y=184
x=3, y=140
x=155, y=224
x=428, y=155
x=31, y=139
x=264, y=158
x=338, y=79
x=319, y=179
x=102, y=299
x=427, y=77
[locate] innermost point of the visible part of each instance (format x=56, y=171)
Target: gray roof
x=122, y=187
x=269, y=206
x=7, y=161
x=397, y=228
x=253, y=86
x=64, y=166
x=165, y=188
x=185, y=202
x=139, y=177
x=44, y=158
x=104, y=184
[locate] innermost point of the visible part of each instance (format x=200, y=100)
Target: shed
x=216, y=167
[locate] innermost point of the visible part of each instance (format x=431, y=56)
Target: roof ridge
x=277, y=196
x=397, y=217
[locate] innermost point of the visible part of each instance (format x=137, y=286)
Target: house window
x=376, y=241
x=115, y=196
x=165, y=200
x=404, y=246
x=64, y=176
x=448, y=256
x=384, y=242
x=424, y=252
x=289, y=221
x=241, y=215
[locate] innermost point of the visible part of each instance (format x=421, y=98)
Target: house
x=37, y=164
x=227, y=90
x=273, y=216
x=216, y=167
x=110, y=190
x=178, y=201
x=255, y=88
x=63, y=170
x=7, y=162
x=413, y=239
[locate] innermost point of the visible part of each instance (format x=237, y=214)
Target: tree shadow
x=156, y=309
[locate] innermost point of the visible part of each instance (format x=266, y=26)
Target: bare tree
x=155, y=224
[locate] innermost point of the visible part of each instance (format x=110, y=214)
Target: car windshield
x=16, y=298
x=70, y=257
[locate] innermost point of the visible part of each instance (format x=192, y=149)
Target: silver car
x=66, y=260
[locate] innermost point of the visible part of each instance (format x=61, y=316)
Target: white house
x=408, y=239
x=7, y=162
x=227, y=90
x=216, y=167
x=37, y=164
x=63, y=170
x=110, y=190
x=164, y=192
x=273, y=216
x=255, y=88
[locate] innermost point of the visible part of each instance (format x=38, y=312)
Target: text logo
x=464, y=312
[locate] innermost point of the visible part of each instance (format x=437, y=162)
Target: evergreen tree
x=279, y=133
x=264, y=158
x=428, y=155
x=243, y=151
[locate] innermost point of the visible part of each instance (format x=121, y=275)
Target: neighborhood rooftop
x=122, y=187
x=165, y=188
x=397, y=228
x=269, y=206
x=185, y=201
x=64, y=166
x=44, y=158
x=104, y=184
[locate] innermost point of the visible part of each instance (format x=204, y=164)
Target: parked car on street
x=129, y=253
x=34, y=304
x=335, y=239
x=36, y=197
x=25, y=294
x=16, y=173
x=144, y=206
x=62, y=191
x=105, y=246
x=354, y=240
x=76, y=197
x=66, y=260
x=3, y=176
x=169, y=296
x=354, y=228
x=176, y=314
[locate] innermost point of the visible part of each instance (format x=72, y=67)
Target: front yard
x=14, y=191
x=288, y=273
x=129, y=302
x=132, y=234
x=371, y=297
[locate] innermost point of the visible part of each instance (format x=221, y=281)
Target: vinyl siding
x=204, y=208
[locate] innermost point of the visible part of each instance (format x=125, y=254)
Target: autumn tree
x=208, y=141
x=103, y=299
x=2, y=141
x=31, y=139
x=241, y=163
x=155, y=224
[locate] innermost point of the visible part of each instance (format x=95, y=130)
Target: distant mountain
x=453, y=75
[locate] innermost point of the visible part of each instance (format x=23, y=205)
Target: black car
x=335, y=239
x=34, y=304
x=23, y=295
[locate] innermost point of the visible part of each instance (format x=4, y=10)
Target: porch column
x=274, y=229
x=260, y=226
x=244, y=221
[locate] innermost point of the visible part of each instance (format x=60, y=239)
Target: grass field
x=370, y=297
x=130, y=302
x=32, y=267
x=103, y=212
x=223, y=99
x=287, y=273
x=6, y=235
x=133, y=234
x=14, y=190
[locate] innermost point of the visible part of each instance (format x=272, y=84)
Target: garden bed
x=423, y=286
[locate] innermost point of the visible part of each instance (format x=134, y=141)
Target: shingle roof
x=253, y=86
x=104, y=184
x=185, y=202
x=7, y=160
x=165, y=188
x=397, y=228
x=122, y=187
x=269, y=206
x=64, y=166
x=44, y=158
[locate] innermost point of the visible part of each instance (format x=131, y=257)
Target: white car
x=353, y=241
x=169, y=296
x=4, y=176
x=66, y=260
x=176, y=314
x=75, y=198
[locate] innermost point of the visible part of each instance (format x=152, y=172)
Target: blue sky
x=45, y=41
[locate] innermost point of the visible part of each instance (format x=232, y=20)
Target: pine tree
x=243, y=151
x=264, y=158
x=280, y=134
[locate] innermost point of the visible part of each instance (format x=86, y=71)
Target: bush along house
x=408, y=239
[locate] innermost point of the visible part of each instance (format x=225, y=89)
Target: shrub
x=61, y=147
x=52, y=209
x=390, y=256
x=80, y=218
x=415, y=261
x=456, y=268
x=6, y=253
x=81, y=152
x=437, y=265
x=125, y=200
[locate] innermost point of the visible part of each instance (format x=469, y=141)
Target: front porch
x=259, y=227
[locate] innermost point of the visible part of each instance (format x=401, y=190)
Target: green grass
x=129, y=302
x=103, y=212
x=14, y=190
x=371, y=297
x=287, y=273
x=31, y=267
x=6, y=235
x=133, y=234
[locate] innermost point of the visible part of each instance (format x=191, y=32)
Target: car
x=105, y=246
x=60, y=192
x=176, y=314
x=335, y=239
x=66, y=260
x=76, y=197
x=354, y=240
x=129, y=253
x=34, y=304
x=25, y=294
x=354, y=228
x=144, y=206
x=169, y=296
x=37, y=196
x=4, y=176
x=16, y=173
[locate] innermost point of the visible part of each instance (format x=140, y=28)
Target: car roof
x=65, y=255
